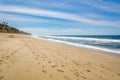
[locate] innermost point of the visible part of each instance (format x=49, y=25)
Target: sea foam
x=83, y=45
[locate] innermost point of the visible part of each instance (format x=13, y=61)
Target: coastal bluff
x=4, y=28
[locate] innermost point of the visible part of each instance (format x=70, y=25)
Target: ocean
x=104, y=43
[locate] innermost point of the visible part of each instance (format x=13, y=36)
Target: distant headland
x=5, y=28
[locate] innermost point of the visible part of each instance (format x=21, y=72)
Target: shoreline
x=23, y=57
x=106, y=51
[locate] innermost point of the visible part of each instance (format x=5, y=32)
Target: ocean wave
x=84, y=46
x=88, y=39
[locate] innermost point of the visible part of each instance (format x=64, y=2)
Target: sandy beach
x=23, y=57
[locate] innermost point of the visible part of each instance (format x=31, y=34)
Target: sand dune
x=25, y=58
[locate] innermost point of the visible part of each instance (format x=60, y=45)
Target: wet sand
x=23, y=57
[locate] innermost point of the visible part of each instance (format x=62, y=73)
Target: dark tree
x=4, y=23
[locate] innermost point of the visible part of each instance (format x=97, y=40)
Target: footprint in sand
x=60, y=70
x=12, y=53
x=76, y=63
x=65, y=58
x=1, y=77
x=76, y=74
x=43, y=66
x=63, y=66
x=8, y=66
x=38, y=55
x=88, y=70
x=27, y=70
x=67, y=78
x=0, y=71
x=5, y=62
x=101, y=65
x=43, y=59
x=38, y=63
x=33, y=52
x=73, y=70
x=36, y=58
x=54, y=66
x=2, y=57
x=44, y=71
x=49, y=61
x=1, y=60
x=83, y=77
x=51, y=76
x=7, y=57
x=66, y=64
x=118, y=74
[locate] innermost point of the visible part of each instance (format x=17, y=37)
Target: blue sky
x=62, y=17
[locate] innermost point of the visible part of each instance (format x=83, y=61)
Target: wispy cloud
x=96, y=16
x=55, y=14
x=103, y=5
x=39, y=3
x=50, y=4
x=18, y=18
x=21, y=18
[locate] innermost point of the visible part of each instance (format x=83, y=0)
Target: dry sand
x=25, y=58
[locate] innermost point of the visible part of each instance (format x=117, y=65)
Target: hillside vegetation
x=4, y=28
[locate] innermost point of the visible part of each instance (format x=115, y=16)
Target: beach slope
x=23, y=57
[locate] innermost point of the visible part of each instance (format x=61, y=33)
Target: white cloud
x=54, y=14
x=18, y=18
x=103, y=5
x=21, y=18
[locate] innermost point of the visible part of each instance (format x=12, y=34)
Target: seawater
x=107, y=43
